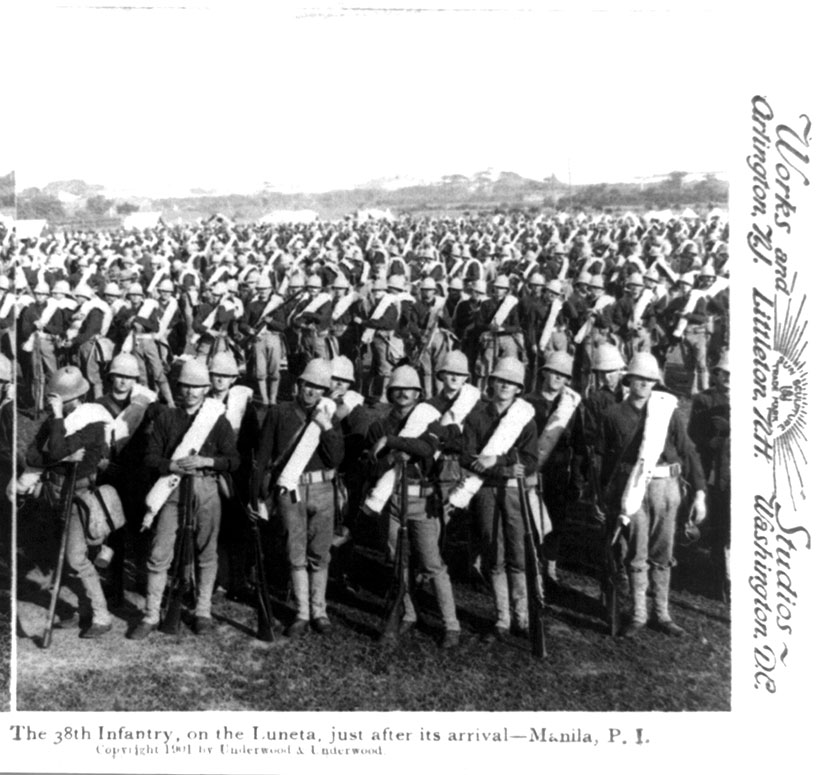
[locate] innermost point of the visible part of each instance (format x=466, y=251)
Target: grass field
x=585, y=670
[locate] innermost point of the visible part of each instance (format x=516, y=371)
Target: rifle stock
x=266, y=630
x=183, y=566
x=66, y=500
x=400, y=585
x=535, y=596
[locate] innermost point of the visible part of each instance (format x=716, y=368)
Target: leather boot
x=661, y=590
x=638, y=594
x=318, y=593
x=518, y=597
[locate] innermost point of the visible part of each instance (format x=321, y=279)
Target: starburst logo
x=789, y=397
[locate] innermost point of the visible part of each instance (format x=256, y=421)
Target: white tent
x=374, y=214
x=30, y=228
x=141, y=220
x=290, y=216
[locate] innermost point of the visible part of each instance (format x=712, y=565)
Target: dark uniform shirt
x=168, y=431
x=421, y=449
x=479, y=426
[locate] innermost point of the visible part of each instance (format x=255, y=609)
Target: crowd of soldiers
x=307, y=374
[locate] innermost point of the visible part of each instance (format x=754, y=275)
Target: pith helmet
x=83, y=292
x=135, y=289
x=509, y=369
x=340, y=282
x=644, y=365
x=456, y=284
x=314, y=282
x=707, y=271
x=263, y=284
x=723, y=364
x=634, y=279
x=61, y=286
x=5, y=369
x=68, y=383
x=554, y=286
x=502, y=281
x=4, y=282
x=454, y=362
x=111, y=289
x=396, y=283
x=223, y=365
x=317, y=372
x=124, y=365
x=342, y=368
x=380, y=284
x=42, y=288
x=194, y=374
x=597, y=281
x=560, y=362
x=537, y=278
x=606, y=357
x=404, y=377
x=166, y=285
x=428, y=284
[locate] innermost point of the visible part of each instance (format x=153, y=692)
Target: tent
x=30, y=228
x=141, y=221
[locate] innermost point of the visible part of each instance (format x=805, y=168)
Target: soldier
x=645, y=450
x=500, y=326
x=138, y=325
x=87, y=338
x=234, y=489
x=435, y=338
x=263, y=324
x=378, y=330
x=194, y=440
x=532, y=310
x=560, y=457
x=41, y=325
x=170, y=337
x=689, y=314
x=401, y=437
x=306, y=438
x=74, y=432
x=499, y=447
x=631, y=314
x=312, y=318
x=465, y=322
x=132, y=408
x=346, y=317
x=709, y=428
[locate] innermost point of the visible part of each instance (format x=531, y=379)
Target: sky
x=158, y=101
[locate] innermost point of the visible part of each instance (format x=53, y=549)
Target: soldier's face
x=121, y=385
x=427, y=294
x=309, y=394
x=608, y=379
x=452, y=382
x=193, y=395
x=403, y=397
x=339, y=387
x=721, y=378
x=641, y=388
x=635, y=291
x=221, y=382
x=553, y=381
x=504, y=391
x=500, y=293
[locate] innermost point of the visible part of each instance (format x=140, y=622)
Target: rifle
x=66, y=502
x=182, y=575
x=38, y=377
x=266, y=626
x=611, y=530
x=401, y=582
x=535, y=594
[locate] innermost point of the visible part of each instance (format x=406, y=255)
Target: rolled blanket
x=305, y=448
x=467, y=398
x=193, y=439
x=556, y=423
x=504, y=436
x=417, y=422
x=660, y=408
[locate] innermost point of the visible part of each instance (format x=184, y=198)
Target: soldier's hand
x=482, y=463
x=377, y=448
x=699, y=509
x=518, y=470
x=402, y=457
